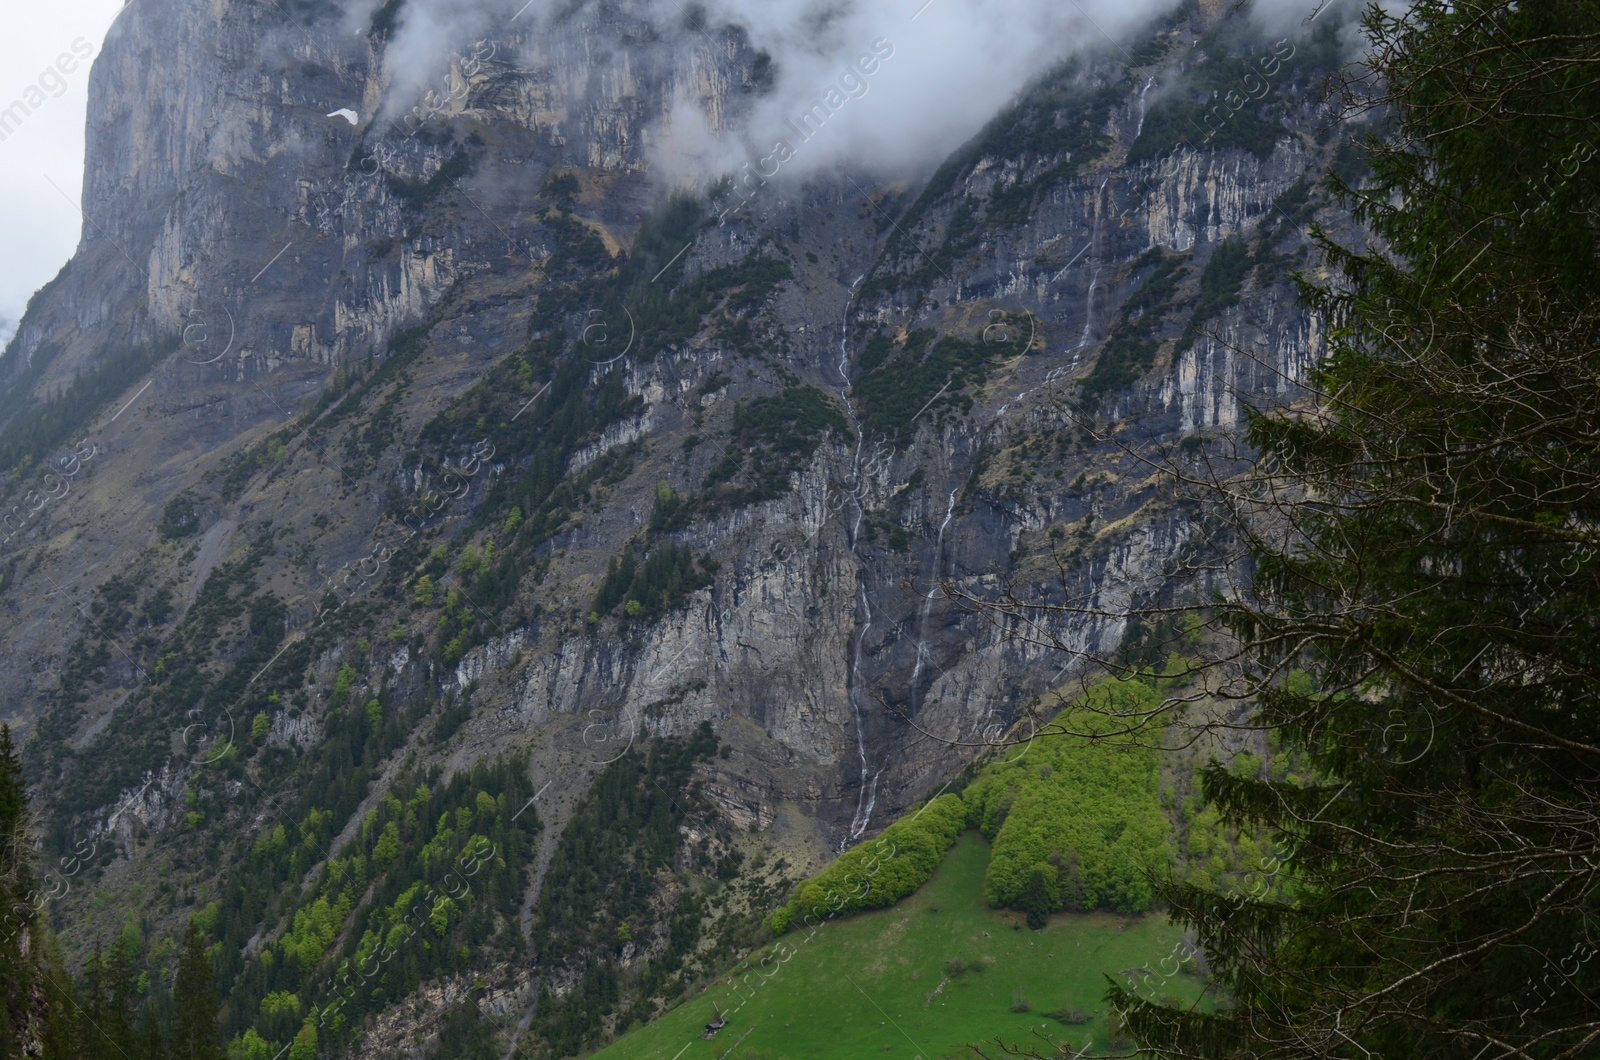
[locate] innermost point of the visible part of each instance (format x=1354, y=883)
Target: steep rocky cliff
x=463, y=413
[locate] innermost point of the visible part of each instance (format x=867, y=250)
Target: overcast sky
x=40, y=229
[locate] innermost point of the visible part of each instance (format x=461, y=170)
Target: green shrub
x=1220, y=283
x=956, y=967
x=773, y=437
x=578, y=250
x=181, y=517
x=342, y=683
x=900, y=383
x=665, y=580
x=880, y=873
x=1070, y=1014
x=415, y=194
x=560, y=186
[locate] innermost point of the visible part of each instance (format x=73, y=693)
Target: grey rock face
x=281, y=249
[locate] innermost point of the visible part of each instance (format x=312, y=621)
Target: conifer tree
x=58, y=1034
x=16, y=903
x=92, y=1008
x=195, y=1035
x=1427, y=549
x=155, y=1046
x=39, y=1014
x=119, y=1021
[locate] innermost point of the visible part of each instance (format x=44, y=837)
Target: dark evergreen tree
x=119, y=1021
x=37, y=1010
x=59, y=1031
x=1427, y=548
x=466, y=1035
x=98, y=1026
x=16, y=903
x=154, y=1045
x=195, y=1035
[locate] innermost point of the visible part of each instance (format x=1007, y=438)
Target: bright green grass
x=860, y=986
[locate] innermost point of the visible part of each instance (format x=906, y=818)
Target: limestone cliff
x=328, y=359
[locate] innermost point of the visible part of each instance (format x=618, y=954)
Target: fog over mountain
x=939, y=68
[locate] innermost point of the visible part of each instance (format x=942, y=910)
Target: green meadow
x=925, y=979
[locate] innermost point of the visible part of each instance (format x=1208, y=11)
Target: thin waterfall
x=927, y=602
x=1140, y=128
x=867, y=798
x=1094, y=277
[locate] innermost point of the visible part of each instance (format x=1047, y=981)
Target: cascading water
x=868, y=796
x=927, y=602
x=1140, y=128
x=1094, y=277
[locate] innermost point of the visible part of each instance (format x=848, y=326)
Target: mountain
x=368, y=464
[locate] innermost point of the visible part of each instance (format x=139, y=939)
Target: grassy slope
x=860, y=987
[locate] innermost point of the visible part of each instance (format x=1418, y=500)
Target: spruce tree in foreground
x=1428, y=550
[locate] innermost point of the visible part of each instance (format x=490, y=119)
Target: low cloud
x=883, y=86
x=942, y=69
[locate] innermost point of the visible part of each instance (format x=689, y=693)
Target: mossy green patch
x=1083, y=811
